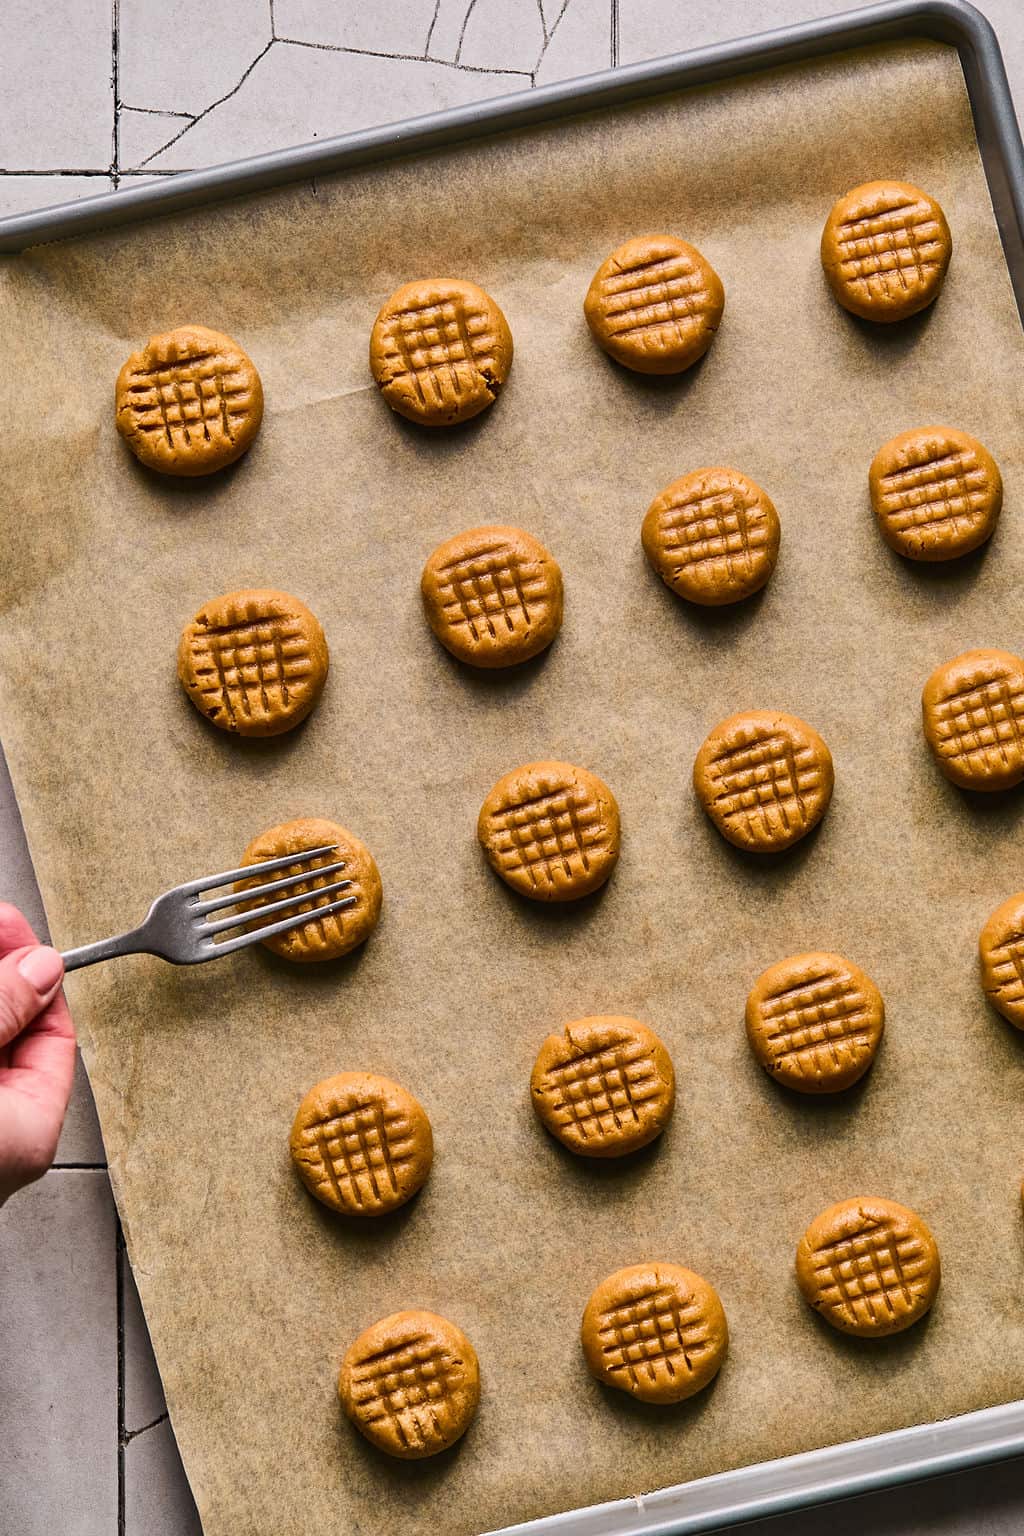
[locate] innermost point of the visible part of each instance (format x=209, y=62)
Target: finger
x=35, y=1087
x=29, y=979
x=15, y=929
x=42, y=1062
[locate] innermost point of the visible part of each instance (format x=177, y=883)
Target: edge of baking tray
x=796, y=1482
x=949, y=21
x=901, y=1456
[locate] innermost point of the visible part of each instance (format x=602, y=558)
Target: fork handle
x=130, y=943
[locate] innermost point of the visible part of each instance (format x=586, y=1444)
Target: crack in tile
x=430, y=30
x=133, y=1434
x=190, y=120
x=408, y=58
x=462, y=31
x=157, y=111
x=207, y=110
x=549, y=32
x=117, y=173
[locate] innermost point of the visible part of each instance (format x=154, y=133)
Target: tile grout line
x=120, y=1256
x=615, y=34
x=115, y=61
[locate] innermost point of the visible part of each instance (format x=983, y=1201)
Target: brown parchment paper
x=252, y=1292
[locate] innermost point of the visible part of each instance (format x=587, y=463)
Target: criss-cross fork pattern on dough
x=1006, y=962
x=817, y=1023
x=409, y=1387
x=892, y=251
x=943, y=488
x=983, y=725
x=604, y=1089
x=654, y=1331
x=359, y=1151
x=318, y=932
x=191, y=400
x=873, y=1275
x=440, y=349
x=252, y=665
x=765, y=785
x=656, y=303
x=491, y=591
x=560, y=828
x=727, y=526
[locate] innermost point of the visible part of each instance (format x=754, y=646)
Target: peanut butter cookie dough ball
x=815, y=1022
x=712, y=536
x=885, y=249
x=325, y=937
x=440, y=351
x=936, y=493
x=189, y=403
x=361, y=1144
x=493, y=596
x=764, y=778
x=604, y=1086
x=973, y=710
x=1001, y=953
x=551, y=831
x=656, y=1331
x=868, y=1266
x=254, y=662
x=655, y=304
x=411, y=1384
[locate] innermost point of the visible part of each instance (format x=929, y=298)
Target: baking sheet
x=251, y=1292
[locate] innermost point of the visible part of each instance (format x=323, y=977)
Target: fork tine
x=210, y=882
x=296, y=920
x=231, y=898
x=255, y=914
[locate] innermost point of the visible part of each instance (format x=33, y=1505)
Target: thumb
x=29, y=978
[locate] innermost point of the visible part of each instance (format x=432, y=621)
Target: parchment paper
x=252, y=1292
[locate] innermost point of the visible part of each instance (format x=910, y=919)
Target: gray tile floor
x=104, y=93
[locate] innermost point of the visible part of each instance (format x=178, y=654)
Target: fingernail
x=42, y=968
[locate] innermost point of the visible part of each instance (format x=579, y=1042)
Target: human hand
x=37, y=1053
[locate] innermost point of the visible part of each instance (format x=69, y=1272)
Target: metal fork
x=176, y=930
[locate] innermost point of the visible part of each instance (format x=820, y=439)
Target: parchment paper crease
x=251, y=1291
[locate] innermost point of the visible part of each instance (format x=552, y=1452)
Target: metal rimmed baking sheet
x=65, y=566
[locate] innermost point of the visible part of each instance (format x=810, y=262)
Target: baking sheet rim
x=852, y=1467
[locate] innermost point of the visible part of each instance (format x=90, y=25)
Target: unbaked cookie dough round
x=440, y=351
x=973, y=709
x=868, y=1266
x=550, y=830
x=656, y=1331
x=815, y=1021
x=655, y=304
x=712, y=536
x=604, y=1086
x=411, y=1384
x=764, y=778
x=885, y=249
x=1001, y=953
x=493, y=596
x=189, y=402
x=322, y=938
x=936, y=493
x=361, y=1144
x=254, y=662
